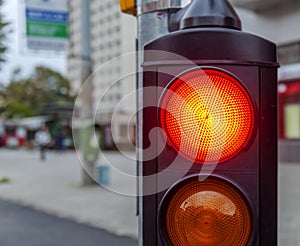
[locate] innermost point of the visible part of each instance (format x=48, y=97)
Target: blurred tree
x=25, y=97
x=3, y=34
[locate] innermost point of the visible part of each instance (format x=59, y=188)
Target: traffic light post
x=216, y=177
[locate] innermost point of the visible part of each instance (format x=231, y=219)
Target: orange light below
x=207, y=116
x=208, y=213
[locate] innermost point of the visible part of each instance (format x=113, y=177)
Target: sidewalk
x=54, y=186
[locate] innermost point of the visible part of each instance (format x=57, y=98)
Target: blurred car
x=12, y=141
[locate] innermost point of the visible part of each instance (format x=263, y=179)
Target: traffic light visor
x=207, y=115
x=209, y=213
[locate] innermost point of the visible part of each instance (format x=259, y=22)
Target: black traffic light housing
x=208, y=36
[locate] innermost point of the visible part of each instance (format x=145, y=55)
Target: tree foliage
x=3, y=34
x=25, y=97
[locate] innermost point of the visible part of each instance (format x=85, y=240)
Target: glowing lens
x=208, y=213
x=207, y=115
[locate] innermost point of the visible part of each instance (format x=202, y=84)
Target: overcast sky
x=16, y=56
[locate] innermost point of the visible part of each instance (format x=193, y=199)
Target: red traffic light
x=216, y=102
x=207, y=115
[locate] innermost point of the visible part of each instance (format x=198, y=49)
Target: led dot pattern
x=208, y=213
x=207, y=116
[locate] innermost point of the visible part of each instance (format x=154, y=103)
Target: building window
x=289, y=110
x=289, y=53
x=123, y=131
x=292, y=121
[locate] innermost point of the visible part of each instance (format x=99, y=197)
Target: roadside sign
x=46, y=25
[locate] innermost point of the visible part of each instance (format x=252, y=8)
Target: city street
x=22, y=226
x=54, y=187
x=289, y=204
x=194, y=104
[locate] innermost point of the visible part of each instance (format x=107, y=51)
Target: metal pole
x=85, y=57
x=86, y=111
x=152, y=23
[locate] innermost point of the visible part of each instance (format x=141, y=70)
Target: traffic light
x=128, y=6
x=214, y=110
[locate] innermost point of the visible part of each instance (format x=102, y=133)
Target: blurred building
x=277, y=20
x=75, y=47
x=262, y=6
x=112, y=34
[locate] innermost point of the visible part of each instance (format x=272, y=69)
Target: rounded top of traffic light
x=206, y=13
x=210, y=45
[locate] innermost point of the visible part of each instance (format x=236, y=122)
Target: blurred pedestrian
x=2, y=133
x=60, y=141
x=43, y=139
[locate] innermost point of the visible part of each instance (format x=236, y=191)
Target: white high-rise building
x=112, y=35
x=75, y=46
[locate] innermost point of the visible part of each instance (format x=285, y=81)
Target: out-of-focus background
x=48, y=50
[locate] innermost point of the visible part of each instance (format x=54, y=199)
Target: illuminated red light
x=207, y=115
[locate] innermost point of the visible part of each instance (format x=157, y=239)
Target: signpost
x=47, y=25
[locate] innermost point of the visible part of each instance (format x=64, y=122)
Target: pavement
x=23, y=226
x=289, y=204
x=54, y=186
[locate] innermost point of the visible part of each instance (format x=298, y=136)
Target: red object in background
x=288, y=93
x=290, y=88
x=12, y=141
x=21, y=141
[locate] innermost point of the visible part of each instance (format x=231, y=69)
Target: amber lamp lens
x=207, y=116
x=208, y=213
